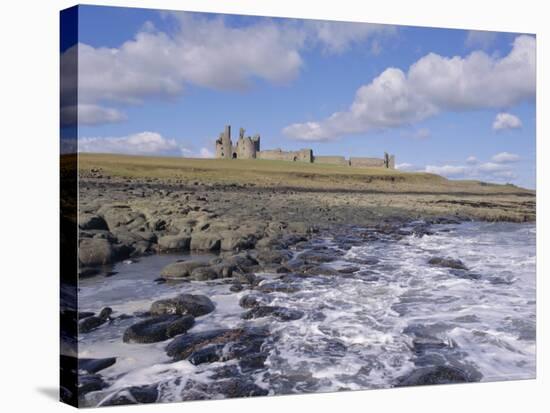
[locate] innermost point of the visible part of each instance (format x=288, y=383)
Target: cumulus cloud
x=431, y=85
x=90, y=115
x=143, y=143
x=505, y=157
x=446, y=170
x=407, y=167
x=498, y=169
x=506, y=121
x=206, y=153
x=209, y=52
x=337, y=37
x=480, y=38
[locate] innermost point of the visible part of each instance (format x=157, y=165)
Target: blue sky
x=455, y=102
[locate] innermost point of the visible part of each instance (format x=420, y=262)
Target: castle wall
x=249, y=148
x=334, y=160
x=303, y=155
x=360, y=162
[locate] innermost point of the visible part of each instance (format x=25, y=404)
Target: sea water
x=359, y=329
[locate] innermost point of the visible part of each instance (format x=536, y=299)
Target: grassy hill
x=266, y=173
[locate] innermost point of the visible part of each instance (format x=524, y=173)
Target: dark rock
x=438, y=375
x=90, y=382
x=447, y=263
x=348, y=270
x=235, y=288
x=85, y=272
x=207, y=354
x=204, y=274
x=182, y=347
x=218, y=345
x=249, y=301
x=111, y=273
x=91, y=323
x=95, y=365
x=181, y=269
x=320, y=256
x=158, y=328
x=270, y=256
x=279, y=287
x=195, y=305
x=133, y=395
x=91, y=222
x=281, y=313
x=465, y=274
x=84, y=314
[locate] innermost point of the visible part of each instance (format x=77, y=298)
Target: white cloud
x=90, y=115
x=480, y=38
x=505, y=157
x=337, y=37
x=143, y=143
x=208, y=52
x=471, y=160
x=206, y=153
x=499, y=169
x=506, y=121
x=407, y=167
x=432, y=84
x=446, y=170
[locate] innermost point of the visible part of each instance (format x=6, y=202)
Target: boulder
x=95, y=365
x=88, y=221
x=117, y=215
x=249, y=301
x=93, y=322
x=94, y=251
x=158, y=328
x=133, y=395
x=205, y=242
x=438, y=375
x=273, y=256
x=236, y=241
x=195, y=305
x=219, y=345
x=204, y=274
x=280, y=313
x=447, y=263
x=174, y=243
x=181, y=269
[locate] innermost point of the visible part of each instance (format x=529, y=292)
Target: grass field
x=267, y=173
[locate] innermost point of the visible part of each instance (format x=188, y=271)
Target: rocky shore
x=248, y=231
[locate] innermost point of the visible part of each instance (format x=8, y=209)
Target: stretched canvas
x=256, y=206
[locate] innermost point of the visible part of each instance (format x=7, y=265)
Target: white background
x=29, y=39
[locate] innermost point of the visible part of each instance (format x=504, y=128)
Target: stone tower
x=224, y=146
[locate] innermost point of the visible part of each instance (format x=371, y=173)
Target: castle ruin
x=249, y=148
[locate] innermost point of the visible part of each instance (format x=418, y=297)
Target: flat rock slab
x=181, y=269
x=158, y=328
x=447, y=263
x=219, y=344
x=95, y=365
x=280, y=313
x=133, y=395
x=438, y=375
x=195, y=305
